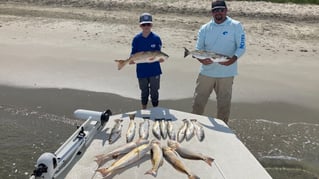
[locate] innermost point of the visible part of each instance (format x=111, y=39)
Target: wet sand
x=64, y=102
x=55, y=59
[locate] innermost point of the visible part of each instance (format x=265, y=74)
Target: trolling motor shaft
x=52, y=165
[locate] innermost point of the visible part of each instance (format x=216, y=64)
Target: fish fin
x=118, y=120
x=186, y=52
x=121, y=63
x=174, y=152
x=161, y=163
x=98, y=156
x=100, y=160
x=193, y=177
x=193, y=120
x=209, y=161
x=151, y=172
x=104, y=171
x=172, y=137
x=116, y=155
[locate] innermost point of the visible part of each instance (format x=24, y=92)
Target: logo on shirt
x=242, y=41
x=153, y=45
x=225, y=33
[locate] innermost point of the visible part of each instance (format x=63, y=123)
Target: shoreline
x=64, y=102
x=253, y=9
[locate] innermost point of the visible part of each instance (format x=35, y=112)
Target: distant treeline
x=291, y=1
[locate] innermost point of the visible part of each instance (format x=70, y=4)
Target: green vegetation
x=291, y=1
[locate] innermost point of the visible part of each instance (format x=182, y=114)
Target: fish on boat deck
x=156, y=158
x=182, y=131
x=172, y=158
x=131, y=129
x=121, y=150
x=116, y=131
x=156, y=129
x=143, y=57
x=188, y=153
x=199, y=130
x=133, y=156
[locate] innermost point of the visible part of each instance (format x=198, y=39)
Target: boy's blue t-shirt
x=151, y=43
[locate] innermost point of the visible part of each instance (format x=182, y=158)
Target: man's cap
x=145, y=18
x=218, y=5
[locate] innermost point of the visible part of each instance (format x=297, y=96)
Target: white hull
x=232, y=159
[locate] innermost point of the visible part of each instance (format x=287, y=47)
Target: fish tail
x=121, y=63
x=103, y=171
x=151, y=172
x=193, y=177
x=164, y=54
x=100, y=160
x=209, y=161
x=173, y=137
x=186, y=52
x=131, y=116
x=118, y=120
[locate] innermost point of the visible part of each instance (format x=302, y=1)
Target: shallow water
x=285, y=150
x=25, y=135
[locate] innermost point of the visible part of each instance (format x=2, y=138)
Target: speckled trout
x=129, y=158
x=116, y=131
x=142, y=57
x=131, y=129
x=189, y=131
x=170, y=130
x=163, y=128
x=156, y=129
x=201, y=54
x=199, y=130
x=182, y=131
x=144, y=129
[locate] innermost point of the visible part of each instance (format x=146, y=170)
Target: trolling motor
x=52, y=165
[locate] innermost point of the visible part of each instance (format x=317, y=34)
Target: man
x=226, y=36
x=148, y=74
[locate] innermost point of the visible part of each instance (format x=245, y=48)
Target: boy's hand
x=161, y=60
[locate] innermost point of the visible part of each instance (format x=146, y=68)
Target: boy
x=148, y=74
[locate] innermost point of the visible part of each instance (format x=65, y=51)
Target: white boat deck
x=232, y=159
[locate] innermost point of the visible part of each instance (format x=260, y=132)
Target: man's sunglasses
x=218, y=10
x=146, y=24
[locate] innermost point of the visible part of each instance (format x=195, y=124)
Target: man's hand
x=205, y=61
x=230, y=61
